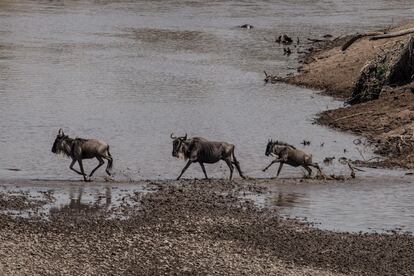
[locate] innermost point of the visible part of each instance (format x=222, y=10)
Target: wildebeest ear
x=185, y=137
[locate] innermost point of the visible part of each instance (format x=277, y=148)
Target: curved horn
x=185, y=137
x=172, y=136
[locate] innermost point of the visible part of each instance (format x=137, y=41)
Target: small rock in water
x=285, y=39
x=306, y=143
x=328, y=160
x=287, y=51
x=13, y=169
x=246, y=26
x=108, y=179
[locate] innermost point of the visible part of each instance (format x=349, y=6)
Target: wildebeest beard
x=183, y=152
x=182, y=156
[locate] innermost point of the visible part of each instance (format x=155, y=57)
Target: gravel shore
x=191, y=227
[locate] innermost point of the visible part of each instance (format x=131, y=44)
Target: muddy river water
x=132, y=72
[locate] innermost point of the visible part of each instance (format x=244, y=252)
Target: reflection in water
x=75, y=201
x=79, y=206
x=357, y=205
x=282, y=199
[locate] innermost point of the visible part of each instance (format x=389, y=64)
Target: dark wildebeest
x=290, y=155
x=202, y=151
x=78, y=149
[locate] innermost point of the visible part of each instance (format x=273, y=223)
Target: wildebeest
x=290, y=155
x=203, y=151
x=78, y=149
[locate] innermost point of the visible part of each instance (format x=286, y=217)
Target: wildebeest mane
x=72, y=142
x=204, y=147
x=280, y=143
x=190, y=146
x=80, y=140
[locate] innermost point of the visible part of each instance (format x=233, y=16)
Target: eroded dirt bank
x=192, y=227
x=379, y=70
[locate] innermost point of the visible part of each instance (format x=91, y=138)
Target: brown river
x=132, y=72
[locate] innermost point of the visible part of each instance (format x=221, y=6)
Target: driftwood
x=352, y=170
x=315, y=40
x=272, y=79
x=351, y=41
x=393, y=34
x=352, y=115
x=375, y=36
x=356, y=37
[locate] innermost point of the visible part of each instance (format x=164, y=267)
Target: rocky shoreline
x=378, y=73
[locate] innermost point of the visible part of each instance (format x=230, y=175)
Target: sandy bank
x=386, y=121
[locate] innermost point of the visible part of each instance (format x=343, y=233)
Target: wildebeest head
x=276, y=147
x=179, y=146
x=269, y=147
x=59, y=144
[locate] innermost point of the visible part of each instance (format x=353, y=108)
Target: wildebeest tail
x=237, y=164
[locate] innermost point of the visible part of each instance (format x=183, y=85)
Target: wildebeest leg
x=72, y=168
x=274, y=161
x=237, y=164
x=280, y=168
x=184, y=169
x=101, y=162
x=308, y=169
x=228, y=162
x=81, y=168
x=110, y=162
x=204, y=170
x=315, y=165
